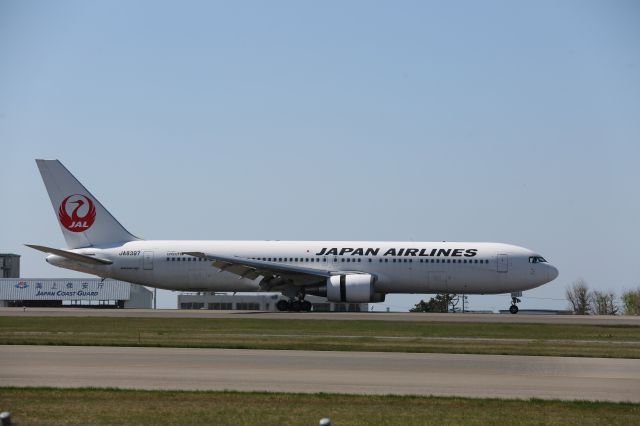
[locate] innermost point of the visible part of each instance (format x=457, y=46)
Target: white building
x=86, y=292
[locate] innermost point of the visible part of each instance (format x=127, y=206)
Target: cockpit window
x=536, y=259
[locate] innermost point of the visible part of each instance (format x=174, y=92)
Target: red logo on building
x=82, y=215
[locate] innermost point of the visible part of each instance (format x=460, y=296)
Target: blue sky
x=418, y=121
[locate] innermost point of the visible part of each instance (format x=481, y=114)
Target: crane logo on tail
x=83, y=213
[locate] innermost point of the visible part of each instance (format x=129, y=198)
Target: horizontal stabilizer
x=71, y=255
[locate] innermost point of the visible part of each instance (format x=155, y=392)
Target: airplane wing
x=274, y=273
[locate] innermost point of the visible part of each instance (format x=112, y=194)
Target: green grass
x=619, y=341
x=110, y=406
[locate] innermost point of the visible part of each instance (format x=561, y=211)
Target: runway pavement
x=312, y=371
x=375, y=316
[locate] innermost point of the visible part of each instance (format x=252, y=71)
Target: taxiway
x=341, y=316
x=313, y=371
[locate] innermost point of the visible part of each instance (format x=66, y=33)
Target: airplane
x=341, y=271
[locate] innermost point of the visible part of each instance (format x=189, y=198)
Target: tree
x=439, y=303
x=631, y=302
x=579, y=297
x=604, y=303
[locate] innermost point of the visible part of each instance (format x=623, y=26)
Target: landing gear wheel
x=283, y=305
x=296, y=305
x=306, y=306
x=514, y=302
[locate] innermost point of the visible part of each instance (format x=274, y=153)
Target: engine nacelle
x=352, y=288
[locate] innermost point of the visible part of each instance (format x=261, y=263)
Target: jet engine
x=352, y=288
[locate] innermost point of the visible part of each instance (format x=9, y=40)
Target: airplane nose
x=552, y=272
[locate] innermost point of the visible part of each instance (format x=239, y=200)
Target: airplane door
x=503, y=263
x=147, y=260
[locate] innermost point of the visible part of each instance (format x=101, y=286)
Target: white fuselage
x=399, y=267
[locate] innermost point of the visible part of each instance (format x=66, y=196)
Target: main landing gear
x=296, y=302
x=294, y=305
x=514, y=301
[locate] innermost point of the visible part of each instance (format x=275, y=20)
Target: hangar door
x=503, y=263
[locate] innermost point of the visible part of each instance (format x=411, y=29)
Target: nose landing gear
x=514, y=302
